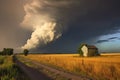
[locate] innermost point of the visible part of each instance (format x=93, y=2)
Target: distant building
x=89, y=50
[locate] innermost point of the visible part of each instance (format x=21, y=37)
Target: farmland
x=9, y=70
x=104, y=67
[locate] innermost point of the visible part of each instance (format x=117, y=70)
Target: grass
x=9, y=70
x=105, y=67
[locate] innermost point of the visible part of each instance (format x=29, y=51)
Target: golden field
x=104, y=67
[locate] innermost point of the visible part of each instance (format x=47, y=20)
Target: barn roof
x=91, y=47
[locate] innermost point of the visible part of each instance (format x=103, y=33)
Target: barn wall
x=92, y=52
x=85, y=51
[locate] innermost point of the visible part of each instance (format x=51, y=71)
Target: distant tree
x=25, y=52
x=1, y=53
x=79, y=49
x=7, y=51
x=10, y=51
x=4, y=51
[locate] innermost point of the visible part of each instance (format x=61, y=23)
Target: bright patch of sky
x=109, y=43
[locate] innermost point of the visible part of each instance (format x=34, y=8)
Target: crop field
x=9, y=70
x=104, y=67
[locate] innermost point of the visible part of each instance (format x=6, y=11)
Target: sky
x=59, y=26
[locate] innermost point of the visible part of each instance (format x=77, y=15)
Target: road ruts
x=33, y=74
x=69, y=76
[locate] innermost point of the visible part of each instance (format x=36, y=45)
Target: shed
x=89, y=50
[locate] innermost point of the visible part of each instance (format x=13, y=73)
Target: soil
x=32, y=73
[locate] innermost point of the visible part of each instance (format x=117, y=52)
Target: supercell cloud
x=59, y=25
x=49, y=18
x=40, y=18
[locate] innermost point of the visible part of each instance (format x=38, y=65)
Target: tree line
x=10, y=51
x=7, y=51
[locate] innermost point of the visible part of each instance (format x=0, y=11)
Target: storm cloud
x=107, y=40
x=76, y=20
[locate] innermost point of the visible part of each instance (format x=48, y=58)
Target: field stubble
x=104, y=67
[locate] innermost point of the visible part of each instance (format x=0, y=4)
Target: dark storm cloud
x=102, y=41
x=85, y=19
x=113, y=38
x=107, y=40
x=96, y=17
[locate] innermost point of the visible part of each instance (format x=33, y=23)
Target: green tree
x=10, y=51
x=1, y=53
x=7, y=51
x=25, y=52
x=79, y=49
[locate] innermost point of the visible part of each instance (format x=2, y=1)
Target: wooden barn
x=89, y=50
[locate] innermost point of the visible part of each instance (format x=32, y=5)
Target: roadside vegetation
x=9, y=70
x=103, y=67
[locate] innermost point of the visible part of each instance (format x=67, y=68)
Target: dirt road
x=34, y=74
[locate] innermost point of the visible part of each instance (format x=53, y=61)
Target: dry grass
x=105, y=67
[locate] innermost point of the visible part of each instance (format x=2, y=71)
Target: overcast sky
x=95, y=22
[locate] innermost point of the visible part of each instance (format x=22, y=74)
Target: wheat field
x=104, y=67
